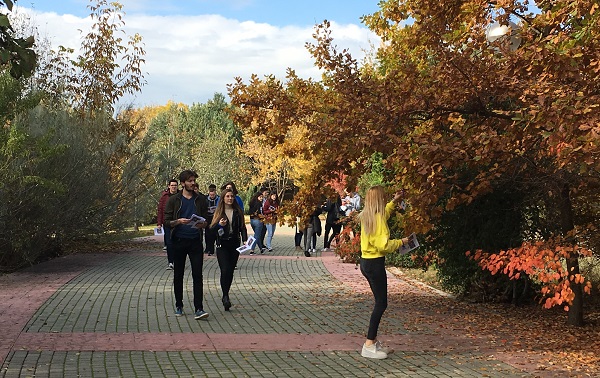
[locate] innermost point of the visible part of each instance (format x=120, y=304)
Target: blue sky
x=279, y=13
x=194, y=48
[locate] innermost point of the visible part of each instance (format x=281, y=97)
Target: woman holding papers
x=375, y=243
x=229, y=226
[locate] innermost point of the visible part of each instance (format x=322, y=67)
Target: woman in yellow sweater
x=375, y=243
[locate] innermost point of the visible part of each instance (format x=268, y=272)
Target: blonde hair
x=374, y=209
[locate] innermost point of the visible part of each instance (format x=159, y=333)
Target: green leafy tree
x=15, y=52
x=109, y=64
x=175, y=137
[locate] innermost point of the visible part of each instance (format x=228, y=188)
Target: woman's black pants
x=374, y=272
x=227, y=256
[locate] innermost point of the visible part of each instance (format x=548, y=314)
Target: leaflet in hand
x=158, y=231
x=195, y=219
x=413, y=243
x=247, y=246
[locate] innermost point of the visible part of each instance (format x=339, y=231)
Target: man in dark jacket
x=160, y=219
x=332, y=222
x=186, y=234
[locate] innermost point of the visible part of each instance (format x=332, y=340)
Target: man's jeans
x=183, y=248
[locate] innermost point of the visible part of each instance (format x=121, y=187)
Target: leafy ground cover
x=534, y=336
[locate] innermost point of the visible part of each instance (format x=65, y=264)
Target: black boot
x=226, y=302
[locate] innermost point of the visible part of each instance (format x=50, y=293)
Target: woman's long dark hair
x=220, y=210
x=273, y=202
x=235, y=191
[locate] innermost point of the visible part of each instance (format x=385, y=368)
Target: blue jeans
x=257, y=227
x=270, y=231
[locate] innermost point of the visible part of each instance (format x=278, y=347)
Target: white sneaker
x=383, y=348
x=170, y=266
x=371, y=351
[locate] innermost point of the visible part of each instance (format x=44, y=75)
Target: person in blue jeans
x=187, y=239
x=265, y=192
x=256, y=222
x=270, y=208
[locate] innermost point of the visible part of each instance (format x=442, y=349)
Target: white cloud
x=189, y=58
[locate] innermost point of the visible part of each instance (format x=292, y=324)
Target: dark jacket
x=315, y=221
x=238, y=230
x=333, y=210
x=255, y=208
x=173, y=208
x=211, y=203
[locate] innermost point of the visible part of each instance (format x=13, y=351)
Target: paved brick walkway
x=111, y=315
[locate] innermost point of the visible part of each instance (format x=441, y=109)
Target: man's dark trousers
x=182, y=248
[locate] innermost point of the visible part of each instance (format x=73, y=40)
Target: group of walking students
x=188, y=215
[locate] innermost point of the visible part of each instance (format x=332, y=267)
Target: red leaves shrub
x=542, y=261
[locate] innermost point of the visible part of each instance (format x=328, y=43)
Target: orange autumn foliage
x=541, y=261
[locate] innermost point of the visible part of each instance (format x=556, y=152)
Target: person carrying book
x=187, y=240
x=375, y=243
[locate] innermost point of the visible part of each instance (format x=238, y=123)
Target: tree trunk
x=566, y=213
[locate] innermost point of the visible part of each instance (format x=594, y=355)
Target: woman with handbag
x=229, y=226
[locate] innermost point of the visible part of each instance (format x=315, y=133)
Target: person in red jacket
x=270, y=208
x=160, y=219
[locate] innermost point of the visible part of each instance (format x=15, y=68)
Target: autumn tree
x=458, y=117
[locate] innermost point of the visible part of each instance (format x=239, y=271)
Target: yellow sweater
x=379, y=243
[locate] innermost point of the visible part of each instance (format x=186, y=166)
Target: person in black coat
x=332, y=222
x=312, y=230
x=229, y=226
